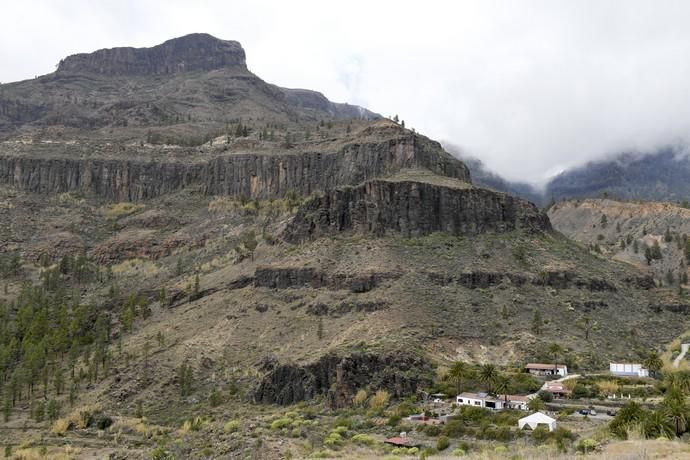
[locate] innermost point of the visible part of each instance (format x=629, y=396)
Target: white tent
x=536, y=419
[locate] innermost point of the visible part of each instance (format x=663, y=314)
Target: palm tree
x=653, y=362
x=459, y=372
x=676, y=410
x=501, y=385
x=657, y=424
x=679, y=380
x=487, y=375
x=555, y=350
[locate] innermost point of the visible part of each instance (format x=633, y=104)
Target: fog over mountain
x=530, y=89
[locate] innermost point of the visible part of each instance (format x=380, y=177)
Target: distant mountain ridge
x=663, y=175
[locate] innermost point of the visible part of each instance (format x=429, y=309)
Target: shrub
x=442, y=443
x=586, y=445
x=454, y=428
x=61, y=426
x=281, y=423
x=360, y=398
x=540, y=433
x=333, y=439
x=432, y=430
x=344, y=421
x=394, y=420
x=215, y=399
x=545, y=396
x=363, y=439
x=339, y=429
x=458, y=452
x=103, y=421
x=379, y=400
x=426, y=453
x=231, y=426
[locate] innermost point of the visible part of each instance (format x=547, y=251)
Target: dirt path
x=683, y=350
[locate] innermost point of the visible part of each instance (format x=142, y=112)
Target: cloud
x=530, y=87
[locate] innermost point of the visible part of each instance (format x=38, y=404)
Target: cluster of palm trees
x=670, y=418
x=487, y=374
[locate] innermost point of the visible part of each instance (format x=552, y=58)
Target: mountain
x=196, y=83
x=661, y=175
x=199, y=264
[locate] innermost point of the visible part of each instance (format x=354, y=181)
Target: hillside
x=622, y=231
x=236, y=297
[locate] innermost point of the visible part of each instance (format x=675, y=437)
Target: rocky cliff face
x=414, y=209
x=338, y=378
x=194, y=52
x=249, y=175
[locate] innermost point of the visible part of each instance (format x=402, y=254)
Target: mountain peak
x=193, y=52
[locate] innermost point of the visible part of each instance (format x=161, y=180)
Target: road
x=683, y=350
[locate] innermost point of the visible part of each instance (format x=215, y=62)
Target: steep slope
x=623, y=230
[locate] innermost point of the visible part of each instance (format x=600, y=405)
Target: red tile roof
x=398, y=441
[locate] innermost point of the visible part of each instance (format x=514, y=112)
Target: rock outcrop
x=480, y=279
x=276, y=277
x=191, y=53
x=262, y=176
x=413, y=209
x=338, y=378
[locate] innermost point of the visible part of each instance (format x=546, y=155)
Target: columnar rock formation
x=414, y=209
x=241, y=175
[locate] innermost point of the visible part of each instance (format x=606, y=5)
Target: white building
x=547, y=369
x=536, y=419
x=515, y=401
x=628, y=369
x=479, y=400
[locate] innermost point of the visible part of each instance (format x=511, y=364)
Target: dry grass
x=78, y=418
x=117, y=210
x=136, y=266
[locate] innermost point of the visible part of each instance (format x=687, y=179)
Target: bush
x=103, y=422
x=379, y=400
x=215, y=399
x=442, y=443
x=454, y=428
x=364, y=439
x=540, y=433
x=344, y=421
x=545, y=396
x=281, y=423
x=432, y=430
x=394, y=420
x=231, y=426
x=333, y=439
x=428, y=452
x=586, y=445
x=360, y=398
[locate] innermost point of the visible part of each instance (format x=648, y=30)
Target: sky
x=529, y=87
